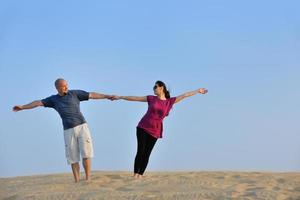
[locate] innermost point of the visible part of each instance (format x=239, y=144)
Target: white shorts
x=78, y=142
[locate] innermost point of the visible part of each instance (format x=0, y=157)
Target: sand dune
x=156, y=185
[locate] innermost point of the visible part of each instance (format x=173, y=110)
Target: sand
x=156, y=185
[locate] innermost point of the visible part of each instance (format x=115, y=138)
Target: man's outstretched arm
x=95, y=95
x=28, y=106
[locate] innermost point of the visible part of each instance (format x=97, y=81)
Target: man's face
x=62, y=87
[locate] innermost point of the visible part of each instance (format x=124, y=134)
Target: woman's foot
x=135, y=175
x=138, y=176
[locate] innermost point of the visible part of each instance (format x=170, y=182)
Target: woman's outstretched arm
x=130, y=98
x=189, y=94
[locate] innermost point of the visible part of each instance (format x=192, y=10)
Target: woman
x=150, y=127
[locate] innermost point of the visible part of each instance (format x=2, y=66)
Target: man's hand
x=28, y=106
x=17, y=108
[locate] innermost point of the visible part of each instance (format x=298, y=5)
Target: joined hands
x=113, y=97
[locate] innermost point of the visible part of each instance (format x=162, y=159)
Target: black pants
x=146, y=143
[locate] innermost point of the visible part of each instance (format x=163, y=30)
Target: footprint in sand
x=124, y=189
x=114, y=176
x=280, y=180
x=12, y=197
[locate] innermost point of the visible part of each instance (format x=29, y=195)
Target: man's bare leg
x=76, y=171
x=86, y=162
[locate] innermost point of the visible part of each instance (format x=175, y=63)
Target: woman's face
x=158, y=89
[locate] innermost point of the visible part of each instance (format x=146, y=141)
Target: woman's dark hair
x=162, y=84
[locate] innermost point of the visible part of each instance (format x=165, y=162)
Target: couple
x=78, y=141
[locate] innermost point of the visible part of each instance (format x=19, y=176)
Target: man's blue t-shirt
x=68, y=107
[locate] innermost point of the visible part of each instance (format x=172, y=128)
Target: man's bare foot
x=88, y=179
x=77, y=180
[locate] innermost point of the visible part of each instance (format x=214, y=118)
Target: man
x=77, y=136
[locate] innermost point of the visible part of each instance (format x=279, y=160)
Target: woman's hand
x=202, y=91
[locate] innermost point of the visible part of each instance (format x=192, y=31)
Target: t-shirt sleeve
x=47, y=102
x=82, y=95
x=170, y=105
x=172, y=101
x=150, y=98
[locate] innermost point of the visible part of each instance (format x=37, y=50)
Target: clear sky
x=246, y=53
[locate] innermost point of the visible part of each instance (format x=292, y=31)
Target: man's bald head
x=61, y=86
x=57, y=82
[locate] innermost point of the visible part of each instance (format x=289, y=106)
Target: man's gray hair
x=57, y=81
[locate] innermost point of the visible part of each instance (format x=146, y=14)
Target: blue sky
x=245, y=53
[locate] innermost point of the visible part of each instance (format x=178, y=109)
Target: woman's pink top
x=158, y=109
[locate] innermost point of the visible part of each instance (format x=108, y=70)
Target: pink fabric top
x=158, y=109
